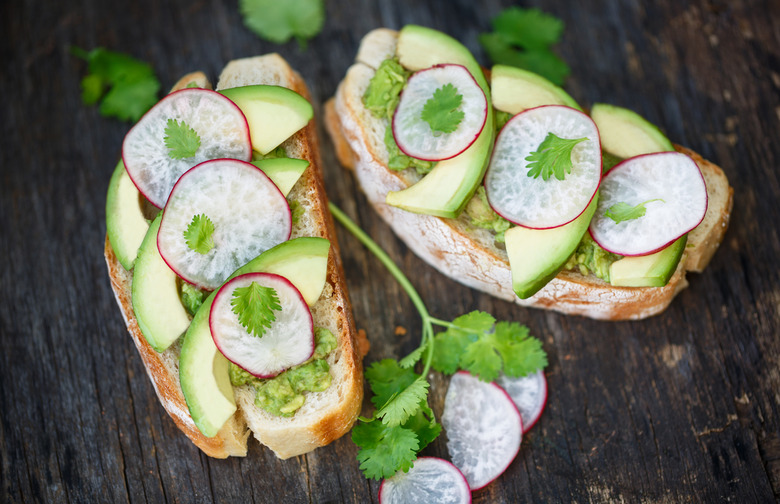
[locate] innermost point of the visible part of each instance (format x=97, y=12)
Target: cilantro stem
x=374, y=248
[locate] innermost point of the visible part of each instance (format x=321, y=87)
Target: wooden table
x=682, y=407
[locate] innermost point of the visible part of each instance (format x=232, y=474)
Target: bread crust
x=294, y=437
x=466, y=254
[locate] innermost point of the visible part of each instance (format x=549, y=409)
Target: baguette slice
x=468, y=254
x=326, y=415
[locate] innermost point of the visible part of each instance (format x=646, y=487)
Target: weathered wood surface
x=679, y=408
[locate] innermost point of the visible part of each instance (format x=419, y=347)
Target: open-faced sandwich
x=223, y=260
x=502, y=182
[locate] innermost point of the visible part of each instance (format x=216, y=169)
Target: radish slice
x=534, y=202
x=248, y=213
x=529, y=393
x=484, y=428
x=430, y=481
x=287, y=342
x=672, y=190
x=218, y=122
x=414, y=135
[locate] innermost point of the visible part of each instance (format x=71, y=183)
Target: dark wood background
x=682, y=407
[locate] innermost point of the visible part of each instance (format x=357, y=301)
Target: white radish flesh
x=289, y=340
x=534, y=202
x=247, y=210
x=483, y=426
x=431, y=481
x=672, y=189
x=218, y=122
x=529, y=393
x=414, y=135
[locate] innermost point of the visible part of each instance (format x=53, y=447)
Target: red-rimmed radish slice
x=534, y=202
x=248, y=213
x=483, y=426
x=430, y=481
x=529, y=393
x=672, y=191
x=414, y=135
x=221, y=128
x=287, y=342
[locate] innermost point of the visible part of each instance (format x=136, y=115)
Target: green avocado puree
x=590, y=258
x=381, y=99
x=284, y=394
x=482, y=215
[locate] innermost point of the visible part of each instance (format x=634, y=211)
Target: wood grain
x=682, y=407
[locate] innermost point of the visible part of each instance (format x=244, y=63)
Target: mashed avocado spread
x=381, y=98
x=590, y=258
x=482, y=215
x=284, y=394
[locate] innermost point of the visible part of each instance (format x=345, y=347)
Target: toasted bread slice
x=325, y=416
x=470, y=255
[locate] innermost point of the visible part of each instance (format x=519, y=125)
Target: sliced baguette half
x=326, y=415
x=469, y=255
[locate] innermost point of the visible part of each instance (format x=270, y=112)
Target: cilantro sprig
x=522, y=38
x=622, y=211
x=279, y=21
x=255, y=305
x=126, y=86
x=552, y=157
x=442, y=111
x=199, y=234
x=403, y=423
x=181, y=140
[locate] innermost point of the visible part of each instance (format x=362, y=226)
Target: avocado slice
x=625, y=134
x=653, y=270
x=156, y=303
x=289, y=110
x=537, y=255
x=446, y=190
x=125, y=222
x=203, y=371
x=514, y=90
x=284, y=172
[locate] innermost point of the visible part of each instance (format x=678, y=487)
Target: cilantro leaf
x=280, y=21
x=181, y=140
x=441, y=110
x=384, y=450
x=386, y=378
x=127, y=86
x=521, y=353
x=620, y=212
x=199, y=235
x=424, y=425
x=404, y=404
x=481, y=359
x=255, y=305
x=522, y=38
x=552, y=157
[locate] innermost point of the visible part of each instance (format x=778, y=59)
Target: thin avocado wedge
x=444, y=191
x=289, y=110
x=203, y=371
x=284, y=172
x=625, y=134
x=125, y=222
x=652, y=270
x=537, y=255
x=514, y=90
x=156, y=303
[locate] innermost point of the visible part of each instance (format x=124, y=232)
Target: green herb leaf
x=404, y=404
x=199, y=235
x=386, y=378
x=622, y=211
x=255, y=305
x=522, y=38
x=127, y=86
x=181, y=140
x=552, y=157
x=384, y=450
x=280, y=21
x=441, y=111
